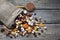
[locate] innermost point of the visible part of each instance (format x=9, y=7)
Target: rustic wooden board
x=51, y=16
x=49, y=10
x=39, y=3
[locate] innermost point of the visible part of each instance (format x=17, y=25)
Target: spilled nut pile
x=25, y=24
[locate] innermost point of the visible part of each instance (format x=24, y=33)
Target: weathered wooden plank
x=51, y=16
x=53, y=4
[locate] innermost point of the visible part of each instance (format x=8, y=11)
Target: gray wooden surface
x=38, y=3
x=49, y=10
x=53, y=33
